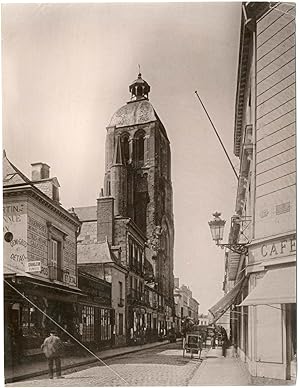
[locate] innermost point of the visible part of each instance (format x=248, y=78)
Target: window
x=125, y=147
x=121, y=300
x=105, y=325
x=55, y=270
x=88, y=323
x=139, y=147
x=120, y=324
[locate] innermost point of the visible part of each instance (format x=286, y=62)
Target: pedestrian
x=213, y=340
x=53, y=348
x=224, y=343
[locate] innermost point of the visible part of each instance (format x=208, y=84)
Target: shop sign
x=273, y=249
x=15, y=236
x=33, y=266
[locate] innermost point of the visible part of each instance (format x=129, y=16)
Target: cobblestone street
x=160, y=366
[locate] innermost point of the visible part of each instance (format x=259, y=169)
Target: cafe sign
x=285, y=246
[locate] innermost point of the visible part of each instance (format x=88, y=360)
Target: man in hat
x=53, y=348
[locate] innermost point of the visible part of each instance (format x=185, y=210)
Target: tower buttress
x=118, y=177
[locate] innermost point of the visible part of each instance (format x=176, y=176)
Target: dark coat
x=52, y=347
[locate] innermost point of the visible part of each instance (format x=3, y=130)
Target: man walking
x=53, y=348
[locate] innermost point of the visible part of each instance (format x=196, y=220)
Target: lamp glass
x=217, y=228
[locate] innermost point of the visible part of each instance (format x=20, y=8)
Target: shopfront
x=271, y=308
x=27, y=319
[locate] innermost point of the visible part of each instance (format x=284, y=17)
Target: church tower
x=138, y=177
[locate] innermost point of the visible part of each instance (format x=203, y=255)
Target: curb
x=82, y=363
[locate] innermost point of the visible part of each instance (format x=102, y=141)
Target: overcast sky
x=66, y=70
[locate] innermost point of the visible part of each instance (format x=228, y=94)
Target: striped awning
x=224, y=303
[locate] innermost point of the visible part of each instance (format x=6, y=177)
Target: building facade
x=39, y=259
x=186, y=307
x=261, y=283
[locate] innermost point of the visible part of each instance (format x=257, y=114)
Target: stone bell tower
x=138, y=177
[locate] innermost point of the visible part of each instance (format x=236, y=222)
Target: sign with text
x=33, y=266
x=285, y=246
x=15, y=237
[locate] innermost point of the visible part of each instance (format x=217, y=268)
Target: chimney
x=40, y=171
x=105, y=219
x=40, y=176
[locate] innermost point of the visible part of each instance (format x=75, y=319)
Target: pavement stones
x=158, y=366
x=219, y=371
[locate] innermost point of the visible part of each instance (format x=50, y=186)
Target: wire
x=216, y=132
x=69, y=334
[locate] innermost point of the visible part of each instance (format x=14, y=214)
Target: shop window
x=105, y=325
x=88, y=322
x=120, y=324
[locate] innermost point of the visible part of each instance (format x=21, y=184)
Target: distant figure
x=213, y=340
x=53, y=348
x=224, y=343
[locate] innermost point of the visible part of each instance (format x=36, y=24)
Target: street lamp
x=217, y=230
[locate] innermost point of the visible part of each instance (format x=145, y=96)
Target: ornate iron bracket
x=236, y=248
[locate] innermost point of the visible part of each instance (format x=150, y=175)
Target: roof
x=254, y=10
x=11, y=174
x=95, y=253
x=134, y=113
x=86, y=213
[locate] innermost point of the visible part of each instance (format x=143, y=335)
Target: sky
x=66, y=69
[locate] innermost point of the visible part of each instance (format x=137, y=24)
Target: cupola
x=139, y=89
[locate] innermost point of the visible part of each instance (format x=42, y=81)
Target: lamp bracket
x=236, y=248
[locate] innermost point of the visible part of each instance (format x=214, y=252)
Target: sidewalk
x=39, y=367
x=217, y=370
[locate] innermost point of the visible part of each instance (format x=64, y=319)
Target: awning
x=223, y=304
x=276, y=287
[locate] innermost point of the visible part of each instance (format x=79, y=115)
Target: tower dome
x=139, y=89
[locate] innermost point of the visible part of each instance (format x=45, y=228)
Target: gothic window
x=125, y=147
x=139, y=147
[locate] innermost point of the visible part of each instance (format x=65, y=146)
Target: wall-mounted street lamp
x=217, y=230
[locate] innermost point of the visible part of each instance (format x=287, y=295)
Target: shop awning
x=276, y=287
x=223, y=304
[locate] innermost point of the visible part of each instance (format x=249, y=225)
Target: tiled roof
x=87, y=213
x=94, y=253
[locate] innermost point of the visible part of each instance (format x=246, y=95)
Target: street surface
x=160, y=366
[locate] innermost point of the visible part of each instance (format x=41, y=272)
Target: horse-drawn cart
x=192, y=344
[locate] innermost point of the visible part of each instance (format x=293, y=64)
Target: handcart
x=192, y=344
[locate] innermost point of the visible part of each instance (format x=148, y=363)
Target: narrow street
x=160, y=366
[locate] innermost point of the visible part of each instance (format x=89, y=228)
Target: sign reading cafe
x=273, y=249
